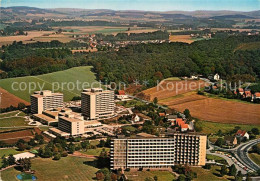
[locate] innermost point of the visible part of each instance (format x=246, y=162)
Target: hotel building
x=97, y=103
x=44, y=100
x=154, y=152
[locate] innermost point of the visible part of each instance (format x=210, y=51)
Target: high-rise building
x=45, y=100
x=97, y=103
x=154, y=152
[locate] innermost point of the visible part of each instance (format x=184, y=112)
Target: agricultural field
x=142, y=175
x=249, y=46
x=8, y=99
x=181, y=95
x=53, y=81
x=48, y=169
x=15, y=135
x=213, y=127
x=168, y=89
x=182, y=38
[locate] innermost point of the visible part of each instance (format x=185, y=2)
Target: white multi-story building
x=97, y=103
x=45, y=100
x=71, y=125
x=158, y=152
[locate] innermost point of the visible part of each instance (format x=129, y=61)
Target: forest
x=144, y=62
x=151, y=62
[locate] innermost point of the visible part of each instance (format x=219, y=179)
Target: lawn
x=216, y=158
x=173, y=78
x=212, y=127
x=65, y=81
x=212, y=174
x=94, y=152
x=255, y=157
x=69, y=168
x=8, y=114
x=142, y=175
x=13, y=122
x=130, y=103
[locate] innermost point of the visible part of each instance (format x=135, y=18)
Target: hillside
x=65, y=79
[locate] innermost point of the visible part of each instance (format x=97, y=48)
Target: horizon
x=142, y=5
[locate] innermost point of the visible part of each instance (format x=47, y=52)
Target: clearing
x=52, y=81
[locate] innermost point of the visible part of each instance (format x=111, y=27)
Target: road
x=242, y=154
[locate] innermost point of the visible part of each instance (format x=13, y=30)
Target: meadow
x=48, y=169
x=63, y=81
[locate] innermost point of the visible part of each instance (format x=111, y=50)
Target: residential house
x=256, y=96
x=184, y=127
x=230, y=140
x=242, y=135
x=247, y=94
x=162, y=114
x=121, y=95
x=216, y=77
x=135, y=118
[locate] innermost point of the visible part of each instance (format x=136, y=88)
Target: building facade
x=45, y=100
x=73, y=126
x=158, y=152
x=97, y=103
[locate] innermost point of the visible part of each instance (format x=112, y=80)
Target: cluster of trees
x=8, y=161
x=157, y=35
x=23, y=145
x=231, y=171
x=24, y=163
x=186, y=174
x=23, y=60
x=177, y=59
x=20, y=106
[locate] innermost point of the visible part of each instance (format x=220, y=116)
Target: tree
x=149, y=179
x=220, y=142
x=100, y=175
x=71, y=148
x=21, y=106
x=181, y=178
x=187, y=114
x=155, y=178
x=239, y=176
x=223, y=170
x=5, y=163
x=155, y=100
x=57, y=156
x=11, y=160
x=25, y=163
x=232, y=170
x=255, y=131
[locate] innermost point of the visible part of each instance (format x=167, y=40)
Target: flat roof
x=92, y=122
x=70, y=119
x=62, y=133
x=46, y=118
x=53, y=113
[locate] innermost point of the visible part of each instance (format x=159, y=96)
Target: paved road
x=242, y=154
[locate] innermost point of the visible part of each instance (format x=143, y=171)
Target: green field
x=69, y=168
x=13, y=121
x=131, y=103
x=255, y=157
x=111, y=30
x=142, y=175
x=8, y=114
x=211, y=127
x=65, y=80
x=94, y=152
x=172, y=78
x=203, y=174
x=249, y=46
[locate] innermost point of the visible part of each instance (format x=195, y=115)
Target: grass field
x=131, y=103
x=94, y=152
x=8, y=114
x=62, y=81
x=212, y=127
x=212, y=174
x=69, y=168
x=142, y=175
x=249, y=46
x=255, y=157
x=13, y=122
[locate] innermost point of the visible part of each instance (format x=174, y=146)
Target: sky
x=148, y=5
